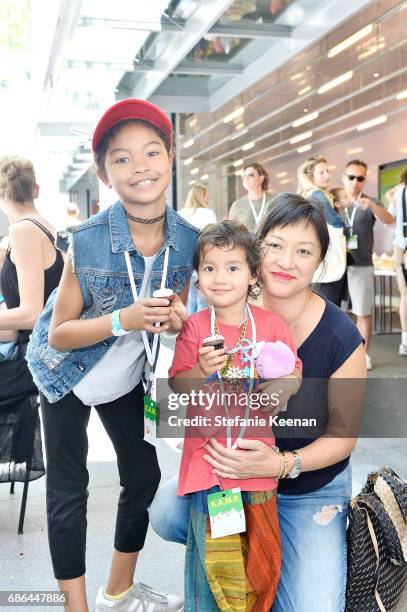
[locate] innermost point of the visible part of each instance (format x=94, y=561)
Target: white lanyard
x=151, y=352
x=256, y=216
x=251, y=381
x=351, y=219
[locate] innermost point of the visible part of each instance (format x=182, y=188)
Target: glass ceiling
x=185, y=55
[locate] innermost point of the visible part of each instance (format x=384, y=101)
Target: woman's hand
x=256, y=460
x=210, y=361
x=145, y=313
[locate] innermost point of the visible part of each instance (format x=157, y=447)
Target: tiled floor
x=25, y=562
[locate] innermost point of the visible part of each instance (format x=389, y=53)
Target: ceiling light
x=350, y=40
x=188, y=161
x=204, y=177
x=238, y=163
x=236, y=113
x=188, y=143
x=368, y=124
x=248, y=145
x=300, y=137
x=372, y=50
x=296, y=76
x=331, y=167
x=304, y=148
x=354, y=151
x=192, y=182
x=402, y=95
x=239, y=173
x=285, y=181
x=376, y=75
x=195, y=170
x=335, y=82
x=240, y=125
x=305, y=119
x=304, y=90
x=239, y=134
x=193, y=122
x=281, y=174
x=403, y=150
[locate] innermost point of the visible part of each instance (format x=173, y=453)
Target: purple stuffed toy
x=274, y=359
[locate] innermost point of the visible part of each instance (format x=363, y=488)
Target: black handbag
x=15, y=377
x=377, y=544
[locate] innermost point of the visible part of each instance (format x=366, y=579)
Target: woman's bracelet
x=281, y=469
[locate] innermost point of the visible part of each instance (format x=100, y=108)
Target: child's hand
x=280, y=389
x=210, y=361
x=144, y=313
x=178, y=313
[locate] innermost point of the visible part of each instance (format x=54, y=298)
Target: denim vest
x=97, y=252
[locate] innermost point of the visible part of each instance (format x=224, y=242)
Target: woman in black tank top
x=30, y=272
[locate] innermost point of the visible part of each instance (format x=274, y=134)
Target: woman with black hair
x=313, y=500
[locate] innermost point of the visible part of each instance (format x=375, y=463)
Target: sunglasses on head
x=352, y=177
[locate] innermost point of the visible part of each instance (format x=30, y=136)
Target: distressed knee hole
x=327, y=514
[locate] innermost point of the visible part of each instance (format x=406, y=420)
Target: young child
x=238, y=571
x=90, y=348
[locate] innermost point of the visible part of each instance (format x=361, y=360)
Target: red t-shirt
x=195, y=473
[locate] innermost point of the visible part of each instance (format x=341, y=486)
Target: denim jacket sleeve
x=332, y=217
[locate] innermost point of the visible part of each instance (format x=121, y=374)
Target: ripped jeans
x=313, y=539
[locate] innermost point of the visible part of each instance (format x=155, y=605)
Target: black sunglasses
x=352, y=177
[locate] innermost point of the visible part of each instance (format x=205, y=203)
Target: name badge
x=226, y=513
x=151, y=418
x=353, y=242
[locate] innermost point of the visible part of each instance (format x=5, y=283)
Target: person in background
x=32, y=267
x=313, y=180
x=363, y=212
x=398, y=210
x=196, y=209
x=251, y=209
x=198, y=213
x=72, y=214
x=340, y=200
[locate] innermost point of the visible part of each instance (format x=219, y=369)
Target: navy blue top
x=325, y=350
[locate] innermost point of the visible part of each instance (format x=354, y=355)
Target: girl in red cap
x=97, y=336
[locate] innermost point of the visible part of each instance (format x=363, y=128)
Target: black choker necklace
x=142, y=220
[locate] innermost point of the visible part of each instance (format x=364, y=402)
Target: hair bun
x=12, y=171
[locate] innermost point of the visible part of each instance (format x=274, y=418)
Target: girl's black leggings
x=66, y=443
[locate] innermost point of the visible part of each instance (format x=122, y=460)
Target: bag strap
x=390, y=536
x=376, y=549
x=404, y=213
x=390, y=504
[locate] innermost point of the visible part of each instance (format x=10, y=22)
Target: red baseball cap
x=132, y=108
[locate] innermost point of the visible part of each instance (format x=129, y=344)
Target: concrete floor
x=25, y=562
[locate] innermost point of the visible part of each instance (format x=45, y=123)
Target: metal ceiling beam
x=178, y=46
x=205, y=68
x=68, y=14
x=248, y=29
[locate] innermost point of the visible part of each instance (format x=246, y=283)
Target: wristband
x=117, y=329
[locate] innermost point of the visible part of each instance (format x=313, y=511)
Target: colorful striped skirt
x=236, y=572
